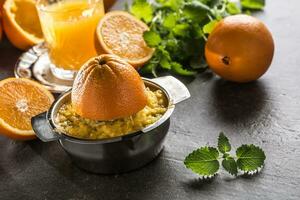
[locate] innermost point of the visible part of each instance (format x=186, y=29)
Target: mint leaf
x=230, y=166
x=164, y=63
x=150, y=67
x=203, y=161
x=232, y=8
x=172, y=4
x=250, y=157
x=152, y=38
x=209, y=27
x=177, y=68
x=253, y=4
x=181, y=30
x=195, y=11
x=164, y=58
x=223, y=143
x=170, y=20
x=142, y=10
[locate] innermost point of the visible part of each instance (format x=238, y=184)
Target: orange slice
x=21, y=23
x=121, y=34
x=21, y=99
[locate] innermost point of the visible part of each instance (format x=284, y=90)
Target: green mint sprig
x=179, y=30
x=205, y=161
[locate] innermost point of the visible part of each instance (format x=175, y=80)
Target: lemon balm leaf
x=170, y=20
x=223, y=143
x=181, y=30
x=195, y=11
x=178, y=69
x=230, y=166
x=152, y=38
x=253, y=4
x=203, y=161
x=172, y=4
x=142, y=10
x=165, y=58
x=232, y=8
x=209, y=27
x=250, y=158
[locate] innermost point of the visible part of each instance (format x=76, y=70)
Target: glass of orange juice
x=69, y=28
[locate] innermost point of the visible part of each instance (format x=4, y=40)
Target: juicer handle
x=42, y=128
x=177, y=90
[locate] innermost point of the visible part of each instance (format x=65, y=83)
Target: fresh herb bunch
x=205, y=161
x=179, y=29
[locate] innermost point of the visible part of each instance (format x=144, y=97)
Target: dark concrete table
x=266, y=113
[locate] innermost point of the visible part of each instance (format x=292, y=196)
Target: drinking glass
x=69, y=28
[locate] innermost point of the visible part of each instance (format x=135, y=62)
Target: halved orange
x=108, y=88
x=20, y=100
x=121, y=34
x=21, y=23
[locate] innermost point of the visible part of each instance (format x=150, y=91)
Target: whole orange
x=240, y=48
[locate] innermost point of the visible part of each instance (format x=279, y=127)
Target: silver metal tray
x=35, y=64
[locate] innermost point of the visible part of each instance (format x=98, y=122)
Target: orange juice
x=69, y=30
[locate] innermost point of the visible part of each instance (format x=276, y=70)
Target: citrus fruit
x=240, y=48
x=21, y=23
x=107, y=88
x=21, y=99
x=121, y=34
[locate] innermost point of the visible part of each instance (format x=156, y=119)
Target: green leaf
x=198, y=32
x=149, y=68
x=230, y=166
x=164, y=58
x=181, y=30
x=210, y=3
x=209, y=27
x=195, y=11
x=223, y=143
x=203, y=161
x=232, y=8
x=172, y=4
x=253, y=4
x=250, y=157
x=152, y=38
x=178, y=69
x=164, y=63
x=172, y=43
x=142, y=10
x=170, y=20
